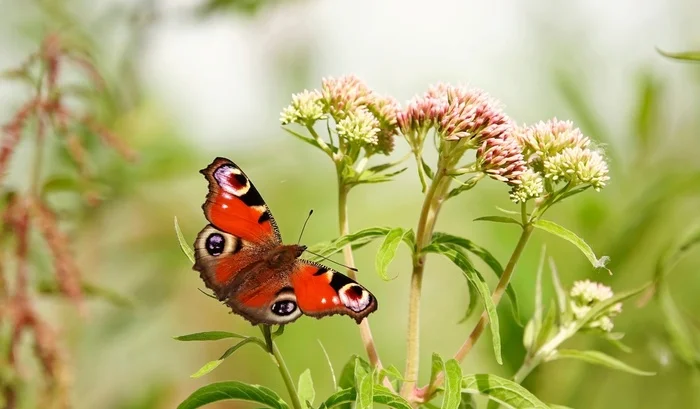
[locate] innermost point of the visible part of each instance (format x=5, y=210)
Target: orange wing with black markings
x=235, y=206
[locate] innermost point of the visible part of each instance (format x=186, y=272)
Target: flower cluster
x=587, y=294
x=556, y=151
x=362, y=117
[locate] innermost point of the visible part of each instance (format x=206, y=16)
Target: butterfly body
x=241, y=258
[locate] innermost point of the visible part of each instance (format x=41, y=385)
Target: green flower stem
x=365, y=330
x=496, y=297
x=282, y=366
x=432, y=204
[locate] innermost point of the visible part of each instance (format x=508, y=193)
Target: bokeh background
x=190, y=80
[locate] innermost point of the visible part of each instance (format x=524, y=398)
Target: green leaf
x=436, y=365
x=209, y=336
x=211, y=365
x=562, y=297
x=615, y=339
x=356, y=239
x=537, y=317
x=572, y=238
x=233, y=390
x=464, y=186
x=189, y=252
x=498, y=219
x=597, y=358
x=453, y=385
x=487, y=258
x=426, y=168
x=467, y=401
x=677, y=328
x=683, y=55
x=478, y=281
x=365, y=392
x=305, y=388
x=208, y=367
x=604, y=305
x=384, y=396
x=91, y=290
x=347, y=375
x=343, y=397
x=387, y=251
x=647, y=111
x=502, y=390
x=308, y=140
x=548, y=327
x=330, y=365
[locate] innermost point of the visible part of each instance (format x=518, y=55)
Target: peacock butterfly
x=241, y=258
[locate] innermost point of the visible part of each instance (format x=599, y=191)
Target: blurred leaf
x=453, y=385
x=529, y=335
x=370, y=177
x=51, y=288
x=189, y=252
x=572, y=90
x=537, y=316
x=241, y=6
x=467, y=401
x=487, y=258
x=502, y=390
x=61, y=183
x=571, y=237
x=478, y=281
x=387, y=251
x=615, y=339
x=506, y=211
x=305, y=388
x=436, y=365
x=426, y=169
x=233, y=390
x=680, y=335
x=548, y=327
x=683, y=55
x=647, y=111
x=347, y=375
x=209, y=336
x=211, y=365
x=330, y=365
x=498, y=219
x=597, y=358
x=562, y=298
x=553, y=406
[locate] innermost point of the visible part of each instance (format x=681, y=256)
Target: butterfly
x=241, y=258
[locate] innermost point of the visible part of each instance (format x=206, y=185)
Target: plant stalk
x=432, y=204
x=365, y=330
x=282, y=366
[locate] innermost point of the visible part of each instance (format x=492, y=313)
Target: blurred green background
x=189, y=80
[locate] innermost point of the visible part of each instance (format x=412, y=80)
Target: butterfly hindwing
x=235, y=206
x=322, y=291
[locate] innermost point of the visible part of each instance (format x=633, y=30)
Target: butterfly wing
x=321, y=291
x=234, y=205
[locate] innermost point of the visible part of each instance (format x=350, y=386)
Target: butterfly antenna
x=332, y=261
x=304, y=226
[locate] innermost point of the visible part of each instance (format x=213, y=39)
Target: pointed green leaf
x=680, y=335
x=347, y=375
x=356, y=239
x=683, y=55
x=529, y=335
x=436, y=366
x=537, y=317
x=498, y=219
x=384, y=396
x=490, y=260
x=503, y=391
x=387, y=251
x=548, y=327
x=478, y=281
x=597, y=358
x=569, y=236
x=562, y=297
x=233, y=390
x=306, y=139
x=330, y=365
x=305, y=387
x=453, y=385
x=604, y=305
x=426, y=168
x=209, y=336
x=615, y=339
x=343, y=397
x=208, y=367
x=647, y=111
x=189, y=252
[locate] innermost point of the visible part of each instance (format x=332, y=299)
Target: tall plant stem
x=432, y=204
x=496, y=297
x=282, y=366
x=365, y=330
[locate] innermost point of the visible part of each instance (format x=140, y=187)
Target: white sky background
x=219, y=80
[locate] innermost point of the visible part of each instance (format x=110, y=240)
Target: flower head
x=420, y=114
x=306, y=107
x=386, y=110
x=359, y=126
x=344, y=95
x=585, y=295
x=545, y=139
x=578, y=165
x=531, y=186
x=501, y=158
